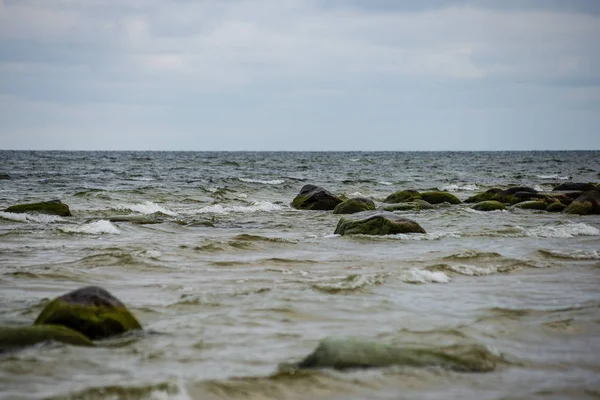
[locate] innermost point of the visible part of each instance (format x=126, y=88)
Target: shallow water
x=230, y=282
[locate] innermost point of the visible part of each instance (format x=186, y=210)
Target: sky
x=299, y=75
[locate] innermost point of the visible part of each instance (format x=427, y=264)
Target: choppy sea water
x=230, y=281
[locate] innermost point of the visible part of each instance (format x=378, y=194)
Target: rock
x=377, y=223
x=440, y=197
x=4, y=176
x=313, y=197
x=415, y=205
x=344, y=353
x=354, y=205
x=583, y=187
x=556, y=206
x=92, y=311
x=489, y=194
x=135, y=219
x=587, y=203
x=53, y=207
x=507, y=196
x=516, y=189
x=526, y=196
x=15, y=337
x=532, y=205
x=489, y=205
x=402, y=196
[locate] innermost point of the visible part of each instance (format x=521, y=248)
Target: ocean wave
x=264, y=206
x=264, y=182
x=554, y=176
x=572, y=255
x=35, y=218
x=473, y=270
x=351, y=283
x=469, y=187
x=472, y=254
x=146, y=208
x=561, y=231
x=94, y=228
x=419, y=276
x=385, y=183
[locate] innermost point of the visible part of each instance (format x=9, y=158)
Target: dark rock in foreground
x=377, y=223
x=4, y=176
x=344, y=353
x=92, y=311
x=587, y=203
x=54, y=207
x=313, y=197
x=354, y=205
x=16, y=337
x=583, y=187
x=489, y=205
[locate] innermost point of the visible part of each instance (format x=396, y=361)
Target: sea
x=231, y=283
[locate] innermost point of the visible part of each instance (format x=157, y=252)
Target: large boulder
x=354, y=205
x=91, y=310
x=403, y=196
x=583, y=187
x=15, y=337
x=53, y=207
x=439, y=198
x=489, y=205
x=313, y=197
x=377, y=223
x=587, y=203
x=344, y=353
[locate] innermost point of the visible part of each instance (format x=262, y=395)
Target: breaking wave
x=571, y=255
x=264, y=206
x=263, y=182
x=146, y=208
x=469, y=187
x=94, y=228
x=561, y=231
x=554, y=176
x=419, y=276
x=36, y=218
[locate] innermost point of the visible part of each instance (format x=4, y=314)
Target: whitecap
x=36, y=218
x=356, y=194
x=94, y=228
x=469, y=187
x=538, y=188
x=415, y=275
x=561, y=231
x=146, y=208
x=424, y=236
x=264, y=206
x=264, y=182
x=385, y=183
x=554, y=176
x=573, y=255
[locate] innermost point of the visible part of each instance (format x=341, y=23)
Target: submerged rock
x=354, y=205
x=92, y=311
x=583, y=187
x=344, y=353
x=533, y=205
x=4, y=176
x=489, y=205
x=15, y=337
x=440, y=197
x=313, y=197
x=377, y=223
x=587, y=203
x=403, y=196
x=53, y=207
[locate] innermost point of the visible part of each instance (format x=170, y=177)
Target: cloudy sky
x=300, y=74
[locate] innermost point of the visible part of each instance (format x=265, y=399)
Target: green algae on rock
x=416, y=205
x=556, y=206
x=489, y=205
x=440, y=197
x=532, y=205
x=377, y=223
x=53, y=207
x=354, y=205
x=15, y=337
x=313, y=197
x=345, y=353
x=92, y=311
x=402, y=196
x=586, y=204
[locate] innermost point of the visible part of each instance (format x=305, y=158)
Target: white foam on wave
x=264, y=206
x=424, y=236
x=538, y=188
x=473, y=270
x=356, y=194
x=561, y=231
x=469, y=187
x=94, y=228
x=415, y=275
x=264, y=182
x=146, y=208
x=575, y=254
x=554, y=176
x=385, y=183
x=35, y=218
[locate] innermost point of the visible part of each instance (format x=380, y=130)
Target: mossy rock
x=313, y=197
x=402, y=196
x=440, y=197
x=515, y=189
x=345, y=353
x=489, y=205
x=586, y=204
x=92, y=311
x=416, y=205
x=15, y=337
x=485, y=196
x=533, y=205
x=54, y=207
x=354, y=205
x=377, y=223
x=556, y=206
